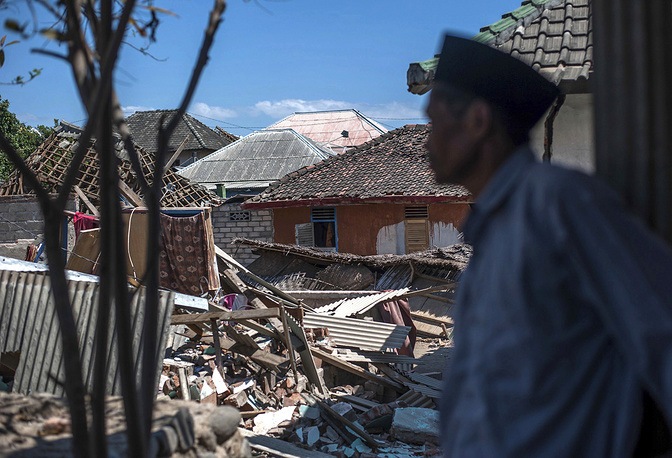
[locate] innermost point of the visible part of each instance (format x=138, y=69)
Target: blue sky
x=270, y=58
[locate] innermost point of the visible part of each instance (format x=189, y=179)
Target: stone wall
x=231, y=221
x=20, y=218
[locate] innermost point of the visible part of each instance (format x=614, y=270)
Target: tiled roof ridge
x=187, y=120
x=504, y=29
x=344, y=156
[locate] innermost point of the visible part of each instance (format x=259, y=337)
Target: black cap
x=502, y=80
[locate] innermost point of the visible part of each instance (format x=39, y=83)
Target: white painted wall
x=391, y=239
x=442, y=235
x=573, y=137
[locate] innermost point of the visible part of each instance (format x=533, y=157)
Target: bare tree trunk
x=92, y=71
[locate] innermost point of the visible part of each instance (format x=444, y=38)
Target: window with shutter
x=416, y=221
x=304, y=234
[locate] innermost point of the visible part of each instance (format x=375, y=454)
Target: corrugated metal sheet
x=29, y=325
x=266, y=155
x=359, y=305
x=425, y=390
x=326, y=127
x=362, y=334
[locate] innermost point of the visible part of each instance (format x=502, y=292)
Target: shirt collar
x=497, y=190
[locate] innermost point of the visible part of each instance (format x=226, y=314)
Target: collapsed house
x=335, y=368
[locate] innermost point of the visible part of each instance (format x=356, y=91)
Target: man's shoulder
x=553, y=183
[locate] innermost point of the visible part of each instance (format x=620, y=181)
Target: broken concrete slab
x=416, y=425
x=268, y=420
x=312, y=434
x=313, y=413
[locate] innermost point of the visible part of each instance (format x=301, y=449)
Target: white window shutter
x=304, y=234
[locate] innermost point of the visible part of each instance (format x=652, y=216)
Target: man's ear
x=478, y=119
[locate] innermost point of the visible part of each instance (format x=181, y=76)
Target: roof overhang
x=336, y=201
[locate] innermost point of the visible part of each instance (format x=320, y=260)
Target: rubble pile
x=306, y=381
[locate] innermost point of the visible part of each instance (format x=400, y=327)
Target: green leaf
x=2, y=40
x=2, y=57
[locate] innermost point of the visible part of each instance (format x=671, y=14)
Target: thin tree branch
x=74, y=385
x=149, y=355
x=49, y=53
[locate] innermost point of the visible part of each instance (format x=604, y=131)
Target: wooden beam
x=232, y=262
x=277, y=447
x=240, y=287
x=128, y=193
x=306, y=355
x=290, y=347
x=215, y=341
x=195, y=328
x=354, y=369
x=270, y=361
x=263, y=330
x=438, y=298
x=229, y=315
x=176, y=153
x=86, y=201
x=431, y=319
x=353, y=427
x=438, y=279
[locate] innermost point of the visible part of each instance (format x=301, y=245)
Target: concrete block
x=416, y=425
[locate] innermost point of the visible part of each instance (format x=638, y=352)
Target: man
x=563, y=323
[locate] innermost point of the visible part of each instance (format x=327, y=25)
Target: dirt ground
x=433, y=354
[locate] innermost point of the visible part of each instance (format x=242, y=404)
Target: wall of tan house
x=573, y=138
x=374, y=228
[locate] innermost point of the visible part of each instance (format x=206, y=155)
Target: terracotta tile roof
x=392, y=165
x=326, y=127
x=554, y=37
x=144, y=128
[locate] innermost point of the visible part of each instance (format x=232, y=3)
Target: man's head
x=483, y=104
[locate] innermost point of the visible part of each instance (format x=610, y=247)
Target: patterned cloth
x=186, y=262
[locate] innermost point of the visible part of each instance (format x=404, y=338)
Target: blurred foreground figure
x=563, y=324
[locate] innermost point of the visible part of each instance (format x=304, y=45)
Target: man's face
x=451, y=150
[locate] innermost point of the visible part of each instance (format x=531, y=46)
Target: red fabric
x=83, y=222
x=399, y=312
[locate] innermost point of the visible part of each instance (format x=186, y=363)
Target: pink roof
x=325, y=128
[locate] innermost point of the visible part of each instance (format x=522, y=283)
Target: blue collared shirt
x=563, y=318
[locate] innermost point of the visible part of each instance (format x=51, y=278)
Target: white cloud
x=204, y=109
x=129, y=110
x=396, y=110
x=282, y=108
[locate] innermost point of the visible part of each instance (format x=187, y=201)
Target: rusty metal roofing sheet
x=327, y=127
x=359, y=305
x=28, y=324
x=362, y=334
